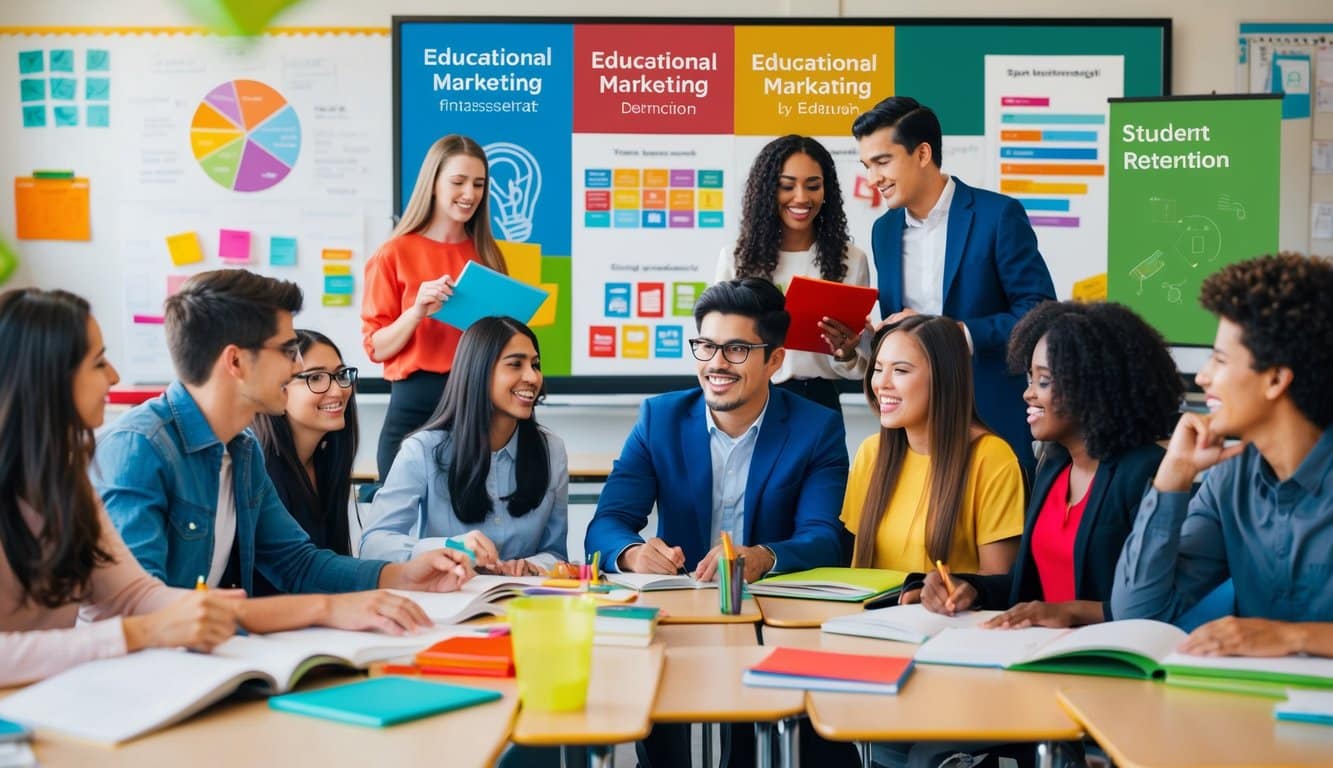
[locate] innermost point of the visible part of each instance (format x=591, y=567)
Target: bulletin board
x=619, y=148
x=162, y=152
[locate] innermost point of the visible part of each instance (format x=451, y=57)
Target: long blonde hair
x=421, y=206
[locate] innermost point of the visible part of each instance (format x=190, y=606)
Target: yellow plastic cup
x=552, y=650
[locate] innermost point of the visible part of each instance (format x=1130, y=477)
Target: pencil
x=455, y=544
x=200, y=585
x=944, y=574
x=728, y=550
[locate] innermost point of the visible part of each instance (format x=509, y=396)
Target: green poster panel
x=1193, y=186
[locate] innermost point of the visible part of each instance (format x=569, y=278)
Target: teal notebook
x=480, y=292
x=382, y=701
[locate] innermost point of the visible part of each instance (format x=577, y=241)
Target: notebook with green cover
x=382, y=701
x=850, y=585
x=1270, y=677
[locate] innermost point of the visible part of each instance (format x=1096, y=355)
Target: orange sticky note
x=336, y=254
x=184, y=248
x=52, y=209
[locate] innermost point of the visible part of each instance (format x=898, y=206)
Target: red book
x=828, y=671
x=487, y=656
x=810, y=300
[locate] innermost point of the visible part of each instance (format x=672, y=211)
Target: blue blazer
x=792, y=497
x=993, y=274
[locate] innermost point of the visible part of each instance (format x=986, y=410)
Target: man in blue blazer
x=736, y=454
x=945, y=248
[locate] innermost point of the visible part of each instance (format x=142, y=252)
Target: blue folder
x=382, y=701
x=480, y=292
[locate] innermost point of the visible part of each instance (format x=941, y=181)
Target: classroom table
x=697, y=606
x=1151, y=725
x=702, y=684
x=796, y=613
x=684, y=635
x=585, y=467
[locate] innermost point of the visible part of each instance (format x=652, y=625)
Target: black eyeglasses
x=735, y=352
x=319, y=382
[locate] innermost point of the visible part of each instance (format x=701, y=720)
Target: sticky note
x=338, y=254
x=337, y=300
x=282, y=251
x=184, y=248
x=62, y=60
x=1091, y=288
x=32, y=89
x=34, y=116
x=337, y=269
x=174, y=283
x=339, y=284
x=234, y=245
x=30, y=62
x=149, y=320
x=98, y=60
x=97, y=88
x=99, y=115
x=52, y=209
x=66, y=116
x=63, y=88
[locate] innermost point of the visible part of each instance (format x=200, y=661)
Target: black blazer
x=1117, y=488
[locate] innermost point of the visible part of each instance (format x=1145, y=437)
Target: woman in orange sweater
x=445, y=225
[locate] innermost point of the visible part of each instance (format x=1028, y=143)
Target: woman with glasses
x=481, y=470
x=308, y=451
x=793, y=224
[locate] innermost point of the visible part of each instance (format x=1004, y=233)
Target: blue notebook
x=480, y=292
x=382, y=701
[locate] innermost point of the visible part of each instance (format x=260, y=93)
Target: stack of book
x=477, y=656
x=632, y=625
x=826, y=671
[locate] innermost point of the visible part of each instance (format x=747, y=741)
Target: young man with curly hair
x=1263, y=515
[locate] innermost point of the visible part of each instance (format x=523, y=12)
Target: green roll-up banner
x=1193, y=186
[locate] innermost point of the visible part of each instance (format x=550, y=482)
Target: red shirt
x=1053, y=538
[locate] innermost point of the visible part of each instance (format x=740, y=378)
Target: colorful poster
x=1047, y=128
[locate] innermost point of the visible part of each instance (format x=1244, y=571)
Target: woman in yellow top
x=935, y=483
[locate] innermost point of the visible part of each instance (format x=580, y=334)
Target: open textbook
x=904, y=623
x=656, y=582
x=480, y=596
x=841, y=584
x=113, y=700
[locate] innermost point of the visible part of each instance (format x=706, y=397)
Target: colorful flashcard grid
x=339, y=283
x=48, y=78
x=652, y=198
x=645, y=300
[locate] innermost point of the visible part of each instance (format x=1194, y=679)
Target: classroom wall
x=1203, y=60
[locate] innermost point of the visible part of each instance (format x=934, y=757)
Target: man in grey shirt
x=1263, y=515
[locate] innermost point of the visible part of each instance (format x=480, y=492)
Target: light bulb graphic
x=515, y=183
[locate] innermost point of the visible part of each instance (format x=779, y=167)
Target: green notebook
x=382, y=701
x=849, y=585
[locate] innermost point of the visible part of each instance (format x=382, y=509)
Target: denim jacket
x=156, y=470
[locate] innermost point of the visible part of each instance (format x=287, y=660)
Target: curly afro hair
x=761, y=229
x=1281, y=304
x=1110, y=372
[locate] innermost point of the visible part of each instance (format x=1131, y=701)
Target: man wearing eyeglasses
x=183, y=479
x=734, y=455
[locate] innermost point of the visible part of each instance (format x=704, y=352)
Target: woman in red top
x=1102, y=389
x=446, y=224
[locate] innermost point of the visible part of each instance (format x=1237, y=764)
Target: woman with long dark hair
x=792, y=223
x=308, y=451
x=481, y=469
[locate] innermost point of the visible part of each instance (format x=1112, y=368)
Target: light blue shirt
x=731, y=469
x=414, y=503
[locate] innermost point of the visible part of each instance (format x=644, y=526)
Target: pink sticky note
x=234, y=245
x=174, y=283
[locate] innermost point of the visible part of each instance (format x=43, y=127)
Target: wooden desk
x=684, y=635
x=590, y=467
x=790, y=612
x=697, y=606
x=1151, y=725
x=620, y=701
x=823, y=641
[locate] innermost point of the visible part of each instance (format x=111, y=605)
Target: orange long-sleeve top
x=393, y=276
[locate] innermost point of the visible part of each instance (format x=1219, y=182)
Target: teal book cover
x=382, y=701
x=480, y=292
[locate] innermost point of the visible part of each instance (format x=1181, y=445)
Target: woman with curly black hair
x=1102, y=390
x=793, y=224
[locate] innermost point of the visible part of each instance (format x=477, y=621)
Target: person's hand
x=378, y=610
x=485, y=550
x=439, y=570
x=841, y=339
x=432, y=294
x=936, y=599
x=897, y=317
x=652, y=556
x=910, y=597
x=517, y=567
x=758, y=561
x=1194, y=447
x=1036, y=613
x=200, y=621
x=1231, y=636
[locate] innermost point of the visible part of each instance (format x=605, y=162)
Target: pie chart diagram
x=245, y=136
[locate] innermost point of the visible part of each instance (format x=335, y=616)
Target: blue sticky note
x=30, y=62
x=98, y=60
x=343, y=284
x=32, y=89
x=99, y=116
x=62, y=60
x=66, y=116
x=97, y=88
x=63, y=88
x=34, y=116
x=282, y=251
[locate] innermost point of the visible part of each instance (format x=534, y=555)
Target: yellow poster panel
x=809, y=80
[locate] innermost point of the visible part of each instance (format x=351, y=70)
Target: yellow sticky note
x=1091, y=288
x=524, y=261
x=546, y=312
x=337, y=269
x=634, y=341
x=184, y=248
x=336, y=254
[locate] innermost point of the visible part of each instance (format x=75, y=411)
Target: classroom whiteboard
x=273, y=150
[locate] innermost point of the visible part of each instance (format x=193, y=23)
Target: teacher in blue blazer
x=735, y=455
x=945, y=248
